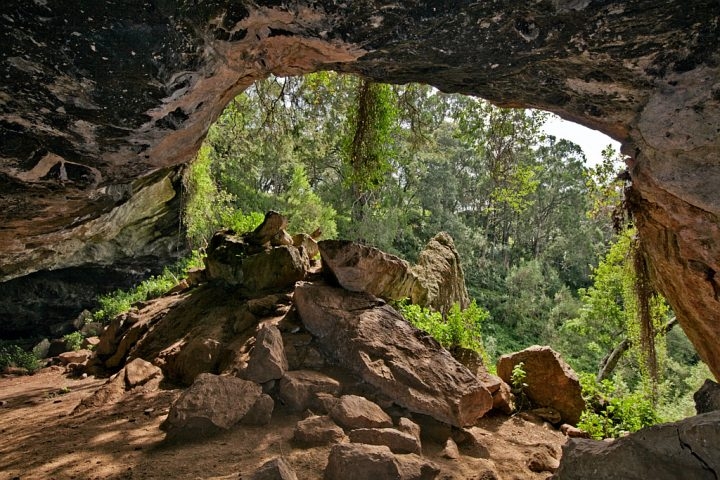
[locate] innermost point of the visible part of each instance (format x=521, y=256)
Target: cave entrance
x=531, y=217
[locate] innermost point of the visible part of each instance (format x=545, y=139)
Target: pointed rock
x=267, y=359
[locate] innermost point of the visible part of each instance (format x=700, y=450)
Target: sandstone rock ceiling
x=100, y=100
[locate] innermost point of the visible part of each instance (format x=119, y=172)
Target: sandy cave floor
x=40, y=438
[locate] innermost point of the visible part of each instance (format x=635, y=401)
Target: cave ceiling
x=101, y=102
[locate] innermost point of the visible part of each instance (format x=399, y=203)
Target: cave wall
x=95, y=96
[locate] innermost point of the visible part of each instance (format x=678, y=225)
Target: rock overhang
x=98, y=96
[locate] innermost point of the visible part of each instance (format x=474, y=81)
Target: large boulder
x=362, y=268
x=707, y=398
x=212, y=403
x=372, y=340
x=550, y=381
x=437, y=281
x=275, y=469
x=317, y=430
x=257, y=269
x=674, y=451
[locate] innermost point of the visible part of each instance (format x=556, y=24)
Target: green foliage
x=74, y=340
x=613, y=411
x=12, y=355
x=461, y=328
x=121, y=301
x=305, y=209
x=518, y=377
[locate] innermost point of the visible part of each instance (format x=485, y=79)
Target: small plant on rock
x=518, y=378
x=74, y=340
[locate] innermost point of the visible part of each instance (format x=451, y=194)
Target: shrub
x=121, y=301
x=74, y=340
x=12, y=355
x=461, y=328
x=611, y=411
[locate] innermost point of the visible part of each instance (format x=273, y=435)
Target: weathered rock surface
x=395, y=440
x=372, y=340
x=267, y=359
x=86, y=151
x=235, y=261
x=139, y=372
x=299, y=387
x=362, y=268
x=441, y=275
x=212, y=403
x=437, y=281
x=673, y=451
x=550, y=381
x=707, y=399
x=318, y=430
x=353, y=411
x=275, y=469
x=356, y=461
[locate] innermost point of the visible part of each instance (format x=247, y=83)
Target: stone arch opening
x=123, y=93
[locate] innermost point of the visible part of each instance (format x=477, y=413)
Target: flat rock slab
x=395, y=440
x=405, y=364
x=353, y=411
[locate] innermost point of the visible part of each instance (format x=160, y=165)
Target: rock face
x=673, y=451
x=439, y=271
x=550, y=381
x=437, y=281
x=371, y=340
x=87, y=152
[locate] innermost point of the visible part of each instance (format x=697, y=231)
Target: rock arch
x=124, y=92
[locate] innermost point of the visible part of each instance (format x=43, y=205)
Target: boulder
x=473, y=442
x=707, y=398
x=275, y=269
x=356, y=461
x=212, y=403
x=405, y=364
x=441, y=275
x=353, y=411
x=451, y=450
x=275, y=469
x=437, y=281
x=550, y=381
x=267, y=359
x=185, y=362
x=56, y=347
x=573, y=432
x=261, y=411
x=542, y=459
x=42, y=348
x=138, y=372
x=303, y=240
x=298, y=388
x=77, y=356
x=395, y=440
x=318, y=430
x=232, y=260
x=362, y=268
x=272, y=227
x=673, y=451
x=503, y=399
x=408, y=426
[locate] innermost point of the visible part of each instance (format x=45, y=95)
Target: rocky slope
x=97, y=96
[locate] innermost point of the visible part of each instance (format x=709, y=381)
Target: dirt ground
x=40, y=438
